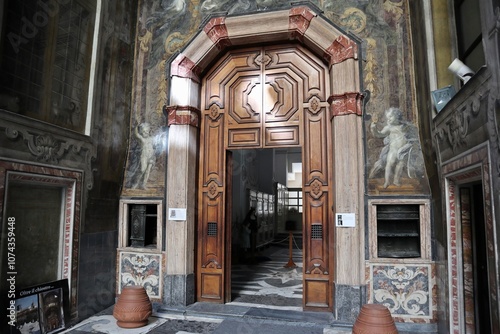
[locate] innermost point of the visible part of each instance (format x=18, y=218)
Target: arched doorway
x=305, y=86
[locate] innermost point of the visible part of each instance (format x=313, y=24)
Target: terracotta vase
x=133, y=307
x=374, y=319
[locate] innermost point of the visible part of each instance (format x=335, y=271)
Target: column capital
x=184, y=67
x=345, y=104
x=182, y=115
x=299, y=19
x=216, y=30
x=342, y=48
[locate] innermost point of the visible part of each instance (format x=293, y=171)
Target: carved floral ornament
x=214, y=112
x=47, y=148
x=141, y=265
x=263, y=60
x=403, y=289
x=213, y=189
x=314, y=105
x=316, y=191
x=456, y=128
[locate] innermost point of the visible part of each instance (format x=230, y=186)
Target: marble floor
x=259, y=288
x=268, y=282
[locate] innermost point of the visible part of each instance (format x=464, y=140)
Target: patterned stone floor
x=268, y=282
x=267, y=298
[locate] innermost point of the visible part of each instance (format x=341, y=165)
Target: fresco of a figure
x=401, y=152
x=165, y=27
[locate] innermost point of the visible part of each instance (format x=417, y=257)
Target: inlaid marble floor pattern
x=268, y=282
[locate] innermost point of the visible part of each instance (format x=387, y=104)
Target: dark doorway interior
x=267, y=228
x=476, y=287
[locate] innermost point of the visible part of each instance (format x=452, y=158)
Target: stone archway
x=339, y=52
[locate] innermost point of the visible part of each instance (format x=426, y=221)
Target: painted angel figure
x=400, y=139
x=147, y=156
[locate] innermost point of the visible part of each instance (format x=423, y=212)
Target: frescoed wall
x=165, y=27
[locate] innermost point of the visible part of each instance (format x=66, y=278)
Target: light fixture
x=442, y=96
x=461, y=70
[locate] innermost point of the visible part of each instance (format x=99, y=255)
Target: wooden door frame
x=338, y=49
x=302, y=121
x=228, y=204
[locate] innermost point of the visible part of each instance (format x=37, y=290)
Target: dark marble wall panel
x=112, y=114
x=99, y=238
x=98, y=156
x=97, y=274
x=349, y=300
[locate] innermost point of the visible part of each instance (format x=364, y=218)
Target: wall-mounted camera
x=461, y=70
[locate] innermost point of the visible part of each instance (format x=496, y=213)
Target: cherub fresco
x=147, y=155
x=401, y=149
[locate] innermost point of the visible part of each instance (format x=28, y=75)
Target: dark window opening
x=143, y=225
x=398, y=231
x=469, y=35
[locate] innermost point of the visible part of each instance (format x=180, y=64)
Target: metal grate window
x=212, y=229
x=317, y=232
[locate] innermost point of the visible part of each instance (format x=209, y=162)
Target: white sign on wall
x=345, y=220
x=176, y=214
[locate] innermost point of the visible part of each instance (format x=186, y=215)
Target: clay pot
x=374, y=319
x=133, y=307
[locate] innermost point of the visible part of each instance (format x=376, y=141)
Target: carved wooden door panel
x=265, y=98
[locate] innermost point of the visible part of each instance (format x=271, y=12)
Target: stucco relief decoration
x=141, y=269
x=46, y=148
x=456, y=128
x=404, y=289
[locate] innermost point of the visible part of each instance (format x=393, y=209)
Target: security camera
x=461, y=70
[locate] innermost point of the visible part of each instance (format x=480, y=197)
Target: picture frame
x=42, y=309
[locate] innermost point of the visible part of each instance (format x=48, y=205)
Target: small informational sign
x=345, y=220
x=176, y=214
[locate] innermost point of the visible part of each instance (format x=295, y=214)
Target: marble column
x=346, y=121
x=183, y=122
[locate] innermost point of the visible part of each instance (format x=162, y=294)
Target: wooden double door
x=265, y=97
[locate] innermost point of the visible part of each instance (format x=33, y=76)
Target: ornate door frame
x=339, y=53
